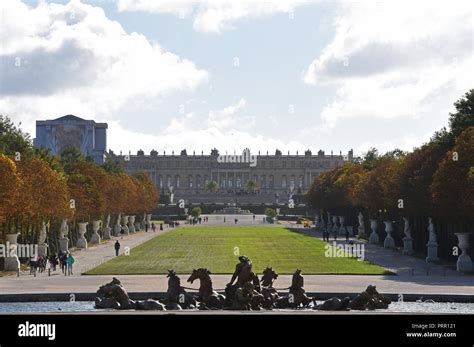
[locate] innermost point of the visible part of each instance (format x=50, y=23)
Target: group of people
x=65, y=260
x=326, y=235
x=153, y=226
x=37, y=264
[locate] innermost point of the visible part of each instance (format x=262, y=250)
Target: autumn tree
x=101, y=184
x=377, y=190
x=415, y=178
x=43, y=195
x=85, y=195
x=9, y=188
x=452, y=188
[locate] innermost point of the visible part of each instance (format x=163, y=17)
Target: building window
x=198, y=181
x=283, y=181
x=177, y=181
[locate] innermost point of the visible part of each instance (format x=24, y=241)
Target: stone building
x=277, y=176
x=88, y=136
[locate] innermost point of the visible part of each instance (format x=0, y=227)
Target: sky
x=228, y=74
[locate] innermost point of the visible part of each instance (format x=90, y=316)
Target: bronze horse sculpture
x=370, y=299
x=176, y=297
x=270, y=294
x=297, y=295
x=113, y=295
x=245, y=291
x=208, y=297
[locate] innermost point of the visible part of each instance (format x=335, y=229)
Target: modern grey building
x=88, y=136
x=277, y=176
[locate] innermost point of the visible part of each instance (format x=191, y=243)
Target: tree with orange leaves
x=453, y=184
x=148, y=194
x=9, y=188
x=44, y=193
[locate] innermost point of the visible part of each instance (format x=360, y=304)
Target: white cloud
x=227, y=129
x=62, y=59
x=395, y=59
x=229, y=117
x=213, y=15
x=196, y=139
x=406, y=142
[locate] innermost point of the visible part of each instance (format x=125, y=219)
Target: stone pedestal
x=374, y=237
x=432, y=251
x=42, y=250
x=138, y=226
x=361, y=228
x=42, y=246
x=407, y=246
x=124, y=225
x=464, y=263
x=389, y=242
x=106, y=233
x=12, y=263
x=342, y=228
x=407, y=240
x=131, y=224
x=335, y=228
x=118, y=227
x=329, y=224
x=63, y=244
x=95, y=237
x=81, y=241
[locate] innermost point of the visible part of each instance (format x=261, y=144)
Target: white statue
x=118, y=227
x=432, y=244
x=407, y=240
x=406, y=228
x=107, y=229
x=63, y=240
x=431, y=229
x=361, y=219
x=64, y=229
x=42, y=234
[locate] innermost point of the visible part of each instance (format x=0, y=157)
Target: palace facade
x=277, y=177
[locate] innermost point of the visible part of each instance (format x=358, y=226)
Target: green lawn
x=215, y=248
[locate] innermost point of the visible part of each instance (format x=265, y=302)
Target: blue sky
x=320, y=75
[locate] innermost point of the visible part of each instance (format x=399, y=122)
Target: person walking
x=347, y=235
x=33, y=265
x=117, y=248
x=153, y=226
x=53, y=261
x=62, y=262
x=70, y=261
